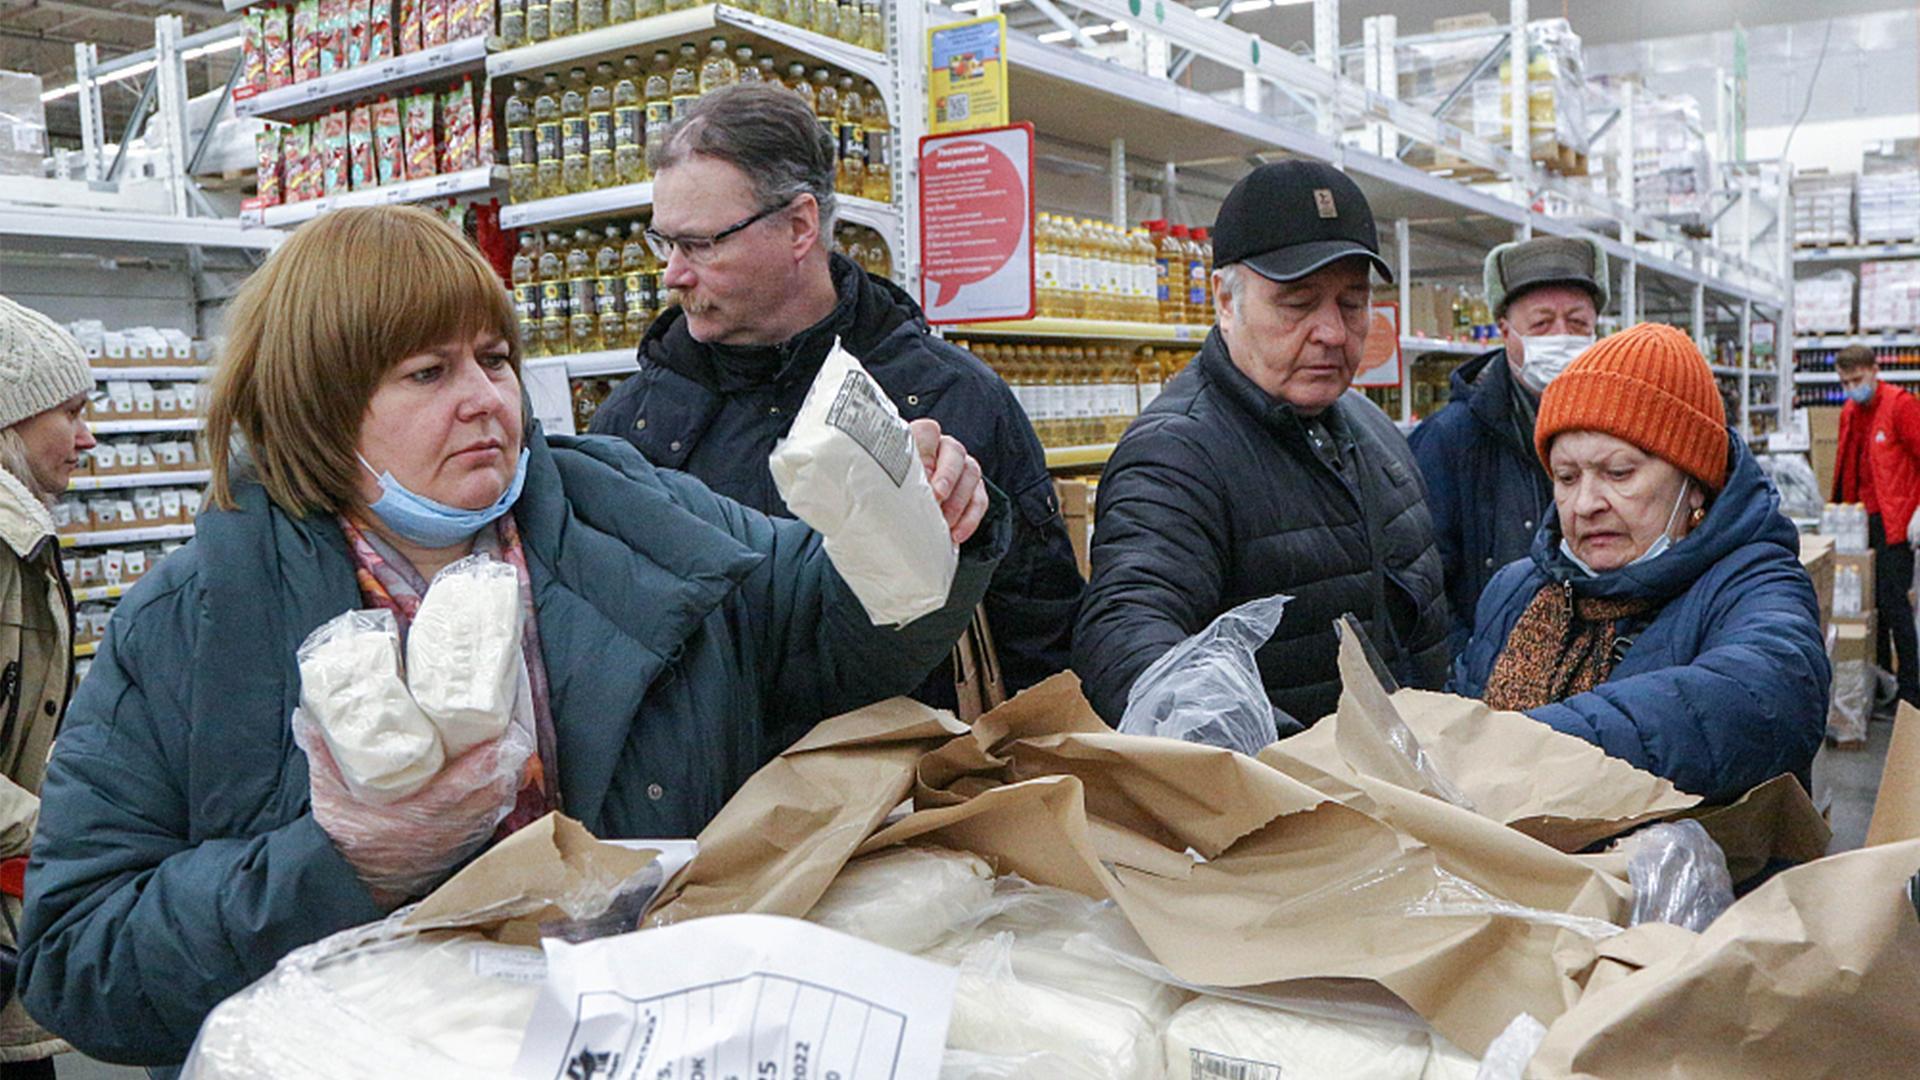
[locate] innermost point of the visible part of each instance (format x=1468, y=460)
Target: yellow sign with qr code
x=967, y=75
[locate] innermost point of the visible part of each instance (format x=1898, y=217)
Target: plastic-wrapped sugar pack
x=445, y=1005
x=1449, y=1062
x=907, y=898
x=352, y=693
x=1212, y=1036
x=463, y=651
x=1050, y=1031
x=849, y=469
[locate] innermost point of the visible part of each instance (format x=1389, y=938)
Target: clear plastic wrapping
x=1852, y=701
x=1434, y=73
x=907, y=898
x=463, y=651
x=849, y=468
x=1792, y=475
x=1208, y=689
x=1511, y=1050
x=354, y=696
x=1211, y=1036
x=1679, y=875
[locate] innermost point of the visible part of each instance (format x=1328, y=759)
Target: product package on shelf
x=335, y=179
x=1823, y=304
x=1889, y=195
x=458, y=151
x=388, y=154
x=1889, y=293
x=253, y=57
x=358, y=27
x=433, y=23
x=306, y=40
x=274, y=48
x=331, y=34
x=421, y=156
x=379, y=31
x=407, y=26
x=267, y=174
x=1431, y=68
x=1672, y=169
x=1822, y=208
x=361, y=166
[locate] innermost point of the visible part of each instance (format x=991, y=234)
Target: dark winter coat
x=717, y=412
x=1216, y=495
x=1727, y=685
x=1486, y=488
x=687, y=641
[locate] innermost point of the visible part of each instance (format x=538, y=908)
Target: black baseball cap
x=1287, y=219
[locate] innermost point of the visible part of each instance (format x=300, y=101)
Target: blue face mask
x=1654, y=550
x=420, y=520
x=1863, y=393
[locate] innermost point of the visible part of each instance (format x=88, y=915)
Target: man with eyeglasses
x=743, y=208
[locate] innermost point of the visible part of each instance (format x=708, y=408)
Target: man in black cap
x=1258, y=473
x=1485, y=486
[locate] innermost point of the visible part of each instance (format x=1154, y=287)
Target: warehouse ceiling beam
x=1185, y=60
x=1059, y=19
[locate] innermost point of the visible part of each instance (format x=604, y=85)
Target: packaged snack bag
x=357, y=26
x=407, y=25
x=333, y=146
x=482, y=18
x=253, y=59
x=267, y=144
x=458, y=150
x=331, y=30
x=293, y=162
x=379, y=30
x=387, y=156
x=483, y=123
x=433, y=23
x=360, y=148
x=459, y=19
x=421, y=157
x=273, y=44
x=306, y=40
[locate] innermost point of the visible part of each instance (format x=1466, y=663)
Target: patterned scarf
x=387, y=580
x=1563, y=645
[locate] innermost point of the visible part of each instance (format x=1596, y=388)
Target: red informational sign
x=976, y=225
x=1380, y=363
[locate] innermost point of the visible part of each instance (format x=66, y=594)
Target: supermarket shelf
x=100, y=592
x=622, y=38
x=85, y=649
x=127, y=536
x=606, y=362
x=1890, y=374
x=878, y=216
x=1763, y=408
x=1065, y=90
x=1417, y=345
x=1885, y=339
x=1724, y=369
x=141, y=427
x=465, y=182
x=399, y=74
x=1105, y=329
x=165, y=373
x=1857, y=252
x=124, y=229
x=1067, y=457
x=153, y=479
x=582, y=206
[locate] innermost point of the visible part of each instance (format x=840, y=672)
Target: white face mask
x=1544, y=358
x=1654, y=550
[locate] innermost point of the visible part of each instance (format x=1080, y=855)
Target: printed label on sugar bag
x=1211, y=1066
x=858, y=411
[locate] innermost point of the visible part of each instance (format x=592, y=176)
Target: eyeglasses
x=698, y=249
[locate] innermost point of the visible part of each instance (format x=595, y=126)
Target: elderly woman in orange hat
x=1663, y=614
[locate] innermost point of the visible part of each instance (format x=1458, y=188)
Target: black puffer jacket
x=716, y=412
x=1217, y=496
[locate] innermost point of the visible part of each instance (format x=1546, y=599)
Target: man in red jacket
x=1878, y=464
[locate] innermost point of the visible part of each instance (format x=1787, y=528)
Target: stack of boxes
x=1843, y=582
x=1889, y=293
x=1822, y=208
x=23, y=125
x=1672, y=170
x=1823, y=304
x=1431, y=67
x=1889, y=200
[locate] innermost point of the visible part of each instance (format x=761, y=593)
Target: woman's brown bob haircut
x=312, y=333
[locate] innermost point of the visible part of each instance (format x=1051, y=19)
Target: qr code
x=1207, y=1065
x=959, y=107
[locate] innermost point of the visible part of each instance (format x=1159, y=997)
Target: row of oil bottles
x=1150, y=273
x=599, y=287
x=523, y=22
x=573, y=134
x=1081, y=393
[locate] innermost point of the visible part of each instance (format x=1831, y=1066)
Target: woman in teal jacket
x=676, y=640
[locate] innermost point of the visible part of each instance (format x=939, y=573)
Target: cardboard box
x=1076, y=509
x=1847, y=568
x=1896, y=809
x=1816, y=555
x=1823, y=425
x=1853, y=640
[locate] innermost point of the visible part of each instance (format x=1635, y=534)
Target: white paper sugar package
x=463, y=651
x=849, y=469
x=1213, y=1036
x=352, y=690
x=907, y=898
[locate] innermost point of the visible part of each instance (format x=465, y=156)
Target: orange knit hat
x=1650, y=386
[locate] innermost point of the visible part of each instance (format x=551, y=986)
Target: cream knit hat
x=40, y=364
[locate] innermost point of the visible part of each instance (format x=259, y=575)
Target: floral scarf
x=387, y=580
